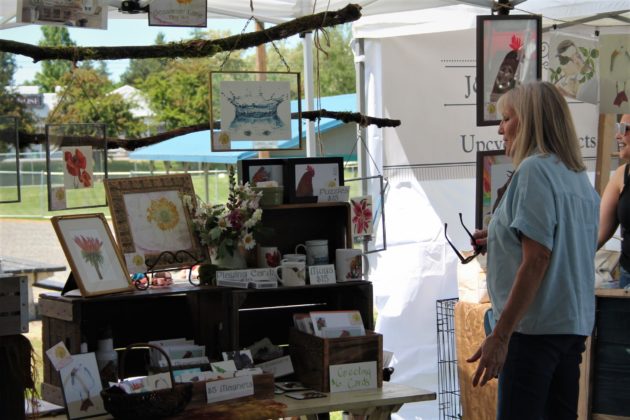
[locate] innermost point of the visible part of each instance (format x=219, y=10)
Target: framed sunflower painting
x=152, y=222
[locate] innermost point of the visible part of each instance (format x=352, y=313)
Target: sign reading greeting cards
x=353, y=376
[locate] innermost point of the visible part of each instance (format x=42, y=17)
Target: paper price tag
x=322, y=274
x=333, y=194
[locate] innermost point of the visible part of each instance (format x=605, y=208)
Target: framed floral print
x=494, y=170
x=153, y=223
x=76, y=165
x=95, y=260
x=509, y=50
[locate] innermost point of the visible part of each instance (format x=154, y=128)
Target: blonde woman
x=615, y=207
x=541, y=245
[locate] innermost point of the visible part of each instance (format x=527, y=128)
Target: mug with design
x=294, y=257
x=349, y=264
x=316, y=251
x=268, y=256
x=291, y=273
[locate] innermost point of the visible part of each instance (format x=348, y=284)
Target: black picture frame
x=302, y=185
x=9, y=139
x=494, y=170
x=501, y=64
x=274, y=170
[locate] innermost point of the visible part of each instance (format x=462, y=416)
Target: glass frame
x=12, y=139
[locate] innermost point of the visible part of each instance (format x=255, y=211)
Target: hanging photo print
x=254, y=114
x=614, y=67
x=574, y=66
x=9, y=145
x=74, y=13
x=76, y=165
x=189, y=13
x=508, y=54
x=361, y=216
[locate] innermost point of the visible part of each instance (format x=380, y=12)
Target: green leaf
x=594, y=53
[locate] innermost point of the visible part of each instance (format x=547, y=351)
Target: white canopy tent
x=403, y=48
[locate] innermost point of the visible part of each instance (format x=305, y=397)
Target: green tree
x=140, y=68
x=86, y=98
x=53, y=70
x=10, y=104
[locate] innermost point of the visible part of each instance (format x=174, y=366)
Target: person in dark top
x=615, y=204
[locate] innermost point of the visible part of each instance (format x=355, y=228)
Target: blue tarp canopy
x=195, y=147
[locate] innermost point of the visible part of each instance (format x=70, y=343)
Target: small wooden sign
x=333, y=194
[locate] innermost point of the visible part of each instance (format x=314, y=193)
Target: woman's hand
x=481, y=240
x=491, y=355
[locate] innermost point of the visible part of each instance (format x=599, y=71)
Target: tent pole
x=359, y=66
x=307, y=41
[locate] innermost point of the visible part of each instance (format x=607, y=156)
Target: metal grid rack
x=448, y=384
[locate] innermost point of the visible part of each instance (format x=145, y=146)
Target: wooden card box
x=13, y=305
x=312, y=356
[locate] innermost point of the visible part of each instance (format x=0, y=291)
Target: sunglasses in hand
x=478, y=249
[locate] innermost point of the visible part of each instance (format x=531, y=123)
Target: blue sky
x=119, y=32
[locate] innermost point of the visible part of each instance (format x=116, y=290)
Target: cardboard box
x=312, y=356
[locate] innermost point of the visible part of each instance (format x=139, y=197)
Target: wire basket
x=146, y=405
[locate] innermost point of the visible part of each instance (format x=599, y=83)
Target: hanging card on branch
x=255, y=114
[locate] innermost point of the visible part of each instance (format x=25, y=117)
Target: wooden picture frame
x=255, y=115
x=10, y=143
x=95, y=260
x=76, y=152
x=153, y=223
x=509, y=53
x=306, y=175
x=494, y=170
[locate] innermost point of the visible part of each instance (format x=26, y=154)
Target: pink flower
x=361, y=215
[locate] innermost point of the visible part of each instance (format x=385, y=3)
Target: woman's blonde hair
x=545, y=124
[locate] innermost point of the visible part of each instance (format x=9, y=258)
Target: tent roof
x=277, y=11
x=195, y=147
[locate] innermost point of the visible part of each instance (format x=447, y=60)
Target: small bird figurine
x=305, y=186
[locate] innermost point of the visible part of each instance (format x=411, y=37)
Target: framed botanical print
x=306, y=176
x=508, y=54
x=494, y=170
x=95, y=260
x=153, y=222
x=76, y=165
x=255, y=114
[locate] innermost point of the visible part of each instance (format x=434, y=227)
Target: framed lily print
x=76, y=165
x=494, y=170
x=95, y=260
x=508, y=54
x=152, y=221
x=255, y=114
x=10, y=164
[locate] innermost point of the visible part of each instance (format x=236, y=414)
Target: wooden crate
x=13, y=304
x=312, y=356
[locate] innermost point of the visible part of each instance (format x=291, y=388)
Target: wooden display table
x=219, y=318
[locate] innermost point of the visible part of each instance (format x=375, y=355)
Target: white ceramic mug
x=316, y=251
x=268, y=256
x=349, y=264
x=291, y=273
x=293, y=257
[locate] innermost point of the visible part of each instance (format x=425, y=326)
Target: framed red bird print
x=508, y=54
x=306, y=176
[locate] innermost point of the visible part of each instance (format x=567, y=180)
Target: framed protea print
x=76, y=165
x=508, y=54
x=253, y=111
x=95, y=260
x=153, y=223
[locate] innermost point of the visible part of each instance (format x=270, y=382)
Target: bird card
x=242, y=358
x=59, y=356
x=223, y=367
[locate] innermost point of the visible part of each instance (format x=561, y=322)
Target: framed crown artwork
x=508, y=54
x=255, y=114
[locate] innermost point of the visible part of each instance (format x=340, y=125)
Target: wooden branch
x=194, y=48
x=132, y=144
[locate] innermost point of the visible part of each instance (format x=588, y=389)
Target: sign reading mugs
x=353, y=376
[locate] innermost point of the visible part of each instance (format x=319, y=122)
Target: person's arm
x=608, y=207
x=492, y=352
